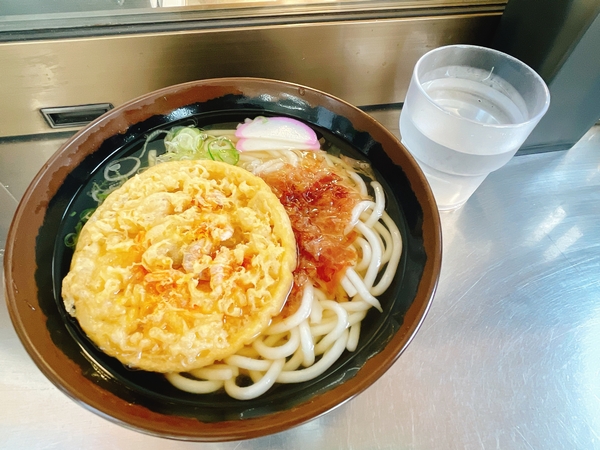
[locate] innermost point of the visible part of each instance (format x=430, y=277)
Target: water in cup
x=462, y=122
x=432, y=146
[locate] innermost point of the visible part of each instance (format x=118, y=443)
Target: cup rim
x=534, y=119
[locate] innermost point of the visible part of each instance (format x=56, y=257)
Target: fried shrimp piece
x=181, y=266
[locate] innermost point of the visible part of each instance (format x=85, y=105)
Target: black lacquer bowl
x=36, y=260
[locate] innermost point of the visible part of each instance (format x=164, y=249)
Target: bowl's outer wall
x=22, y=294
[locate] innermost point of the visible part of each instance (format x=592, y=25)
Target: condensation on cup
x=467, y=111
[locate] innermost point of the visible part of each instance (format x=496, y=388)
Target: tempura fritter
x=181, y=266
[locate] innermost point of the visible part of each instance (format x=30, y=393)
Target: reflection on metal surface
x=8, y=205
x=229, y=3
x=562, y=244
x=547, y=225
x=22, y=158
x=365, y=62
x=92, y=15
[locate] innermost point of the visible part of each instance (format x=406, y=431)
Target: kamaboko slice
x=272, y=133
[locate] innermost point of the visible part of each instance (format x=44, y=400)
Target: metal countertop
x=508, y=356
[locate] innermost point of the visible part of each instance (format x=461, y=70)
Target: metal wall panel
x=558, y=39
x=365, y=62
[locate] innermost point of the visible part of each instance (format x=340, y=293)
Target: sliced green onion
x=184, y=143
x=100, y=191
x=86, y=214
x=222, y=149
x=71, y=238
x=150, y=137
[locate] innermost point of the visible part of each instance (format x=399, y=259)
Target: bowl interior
x=104, y=384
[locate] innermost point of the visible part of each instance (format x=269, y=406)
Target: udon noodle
x=300, y=346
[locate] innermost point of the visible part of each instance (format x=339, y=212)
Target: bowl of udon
x=223, y=259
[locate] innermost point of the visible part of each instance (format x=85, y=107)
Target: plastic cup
x=467, y=111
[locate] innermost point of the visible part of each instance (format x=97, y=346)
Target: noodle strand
x=326, y=361
x=280, y=351
x=259, y=387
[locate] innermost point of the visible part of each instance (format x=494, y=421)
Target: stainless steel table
x=508, y=356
